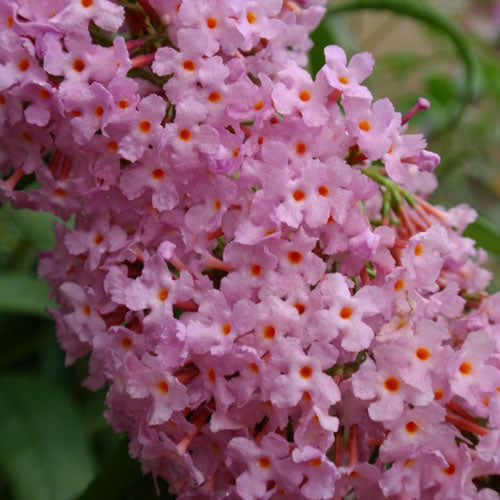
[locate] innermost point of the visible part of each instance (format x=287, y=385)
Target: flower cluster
x=482, y=18
x=253, y=268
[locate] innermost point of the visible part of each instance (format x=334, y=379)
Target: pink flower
x=102, y=238
x=76, y=15
x=148, y=381
x=470, y=375
x=298, y=92
x=262, y=463
x=343, y=314
x=368, y=124
x=347, y=78
x=383, y=383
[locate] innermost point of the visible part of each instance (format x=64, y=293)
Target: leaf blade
x=486, y=235
x=121, y=478
x=43, y=448
x=23, y=293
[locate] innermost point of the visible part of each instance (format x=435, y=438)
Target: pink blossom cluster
x=482, y=18
x=250, y=261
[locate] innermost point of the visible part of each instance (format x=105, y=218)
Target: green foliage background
x=55, y=443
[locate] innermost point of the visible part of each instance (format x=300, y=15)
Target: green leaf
x=402, y=63
x=441, y=87
x=426, y=14
x=121, y=479
x=23, y=293
x=36, y=226
x=486, y=234
x=321, y=37
x=332, y=31
x=43, y=449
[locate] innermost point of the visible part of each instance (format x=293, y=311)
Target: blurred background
x=54, y=440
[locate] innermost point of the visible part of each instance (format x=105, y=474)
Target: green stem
x=395, y=192
x=386, y=205
x=147, y=75
x=391, y=187
x=100, y=36
x=431, y=17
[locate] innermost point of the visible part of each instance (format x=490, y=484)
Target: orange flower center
x=23, y=65
x=306, y=372
x=323, y=191
x=212, y=22
x=145, y=126
x=301, y=308
x=345, y=312
x=392, y=384
x=364, y=125
x=255, y=270
x=112, y=146
x=300, y=148
x=294, y=257
x=214, y=97
x=157, y=174
x=423, y=353
x=269, y=332
x=399, y=285
x=465, y=368
x=299, y=195
x=126, y=343
x=411, y=427
x=258, y=105
x=450, y=470
x=162, y=387
x=251, y=17
x=185, y=134
x=304, y=96
x=78, y=65
x=189, y=65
